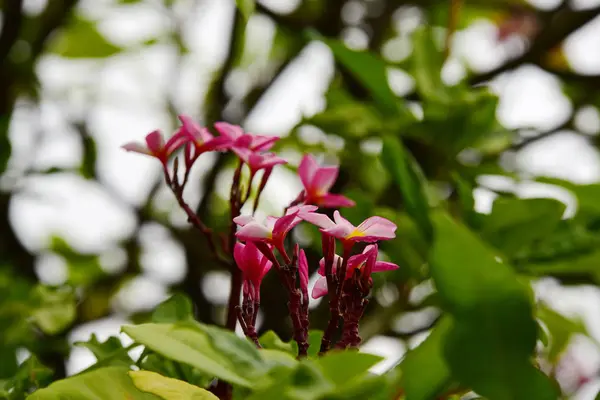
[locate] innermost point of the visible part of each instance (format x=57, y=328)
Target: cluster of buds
x=256, y=247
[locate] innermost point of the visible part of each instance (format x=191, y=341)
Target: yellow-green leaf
x=168, y=388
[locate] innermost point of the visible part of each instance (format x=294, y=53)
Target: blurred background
x=97, y=226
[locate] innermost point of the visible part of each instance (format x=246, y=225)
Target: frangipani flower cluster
x=264, y=245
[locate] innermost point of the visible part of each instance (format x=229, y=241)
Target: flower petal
x=254, y=231
x=303, y=269
x=334, y=201
x=337, y=260
x=302, y=209
x=238, y=255
x=231, y=131
x=155, y=142
x=378, y=227
x=284, y=224
x=381, y=266
x=137, y=147
x=307, y=169
x=242, y=220
x=263, y=143
x=320, y=220
x=320, y=288
x=324, y=179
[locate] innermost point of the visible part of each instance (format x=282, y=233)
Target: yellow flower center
x=355, y=233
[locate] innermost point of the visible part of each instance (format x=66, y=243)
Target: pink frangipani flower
x=156, y=147
x=254, y=266
x=370, y=230
x=366, y=262
x=258, y=161
x=274, y=230
x=241, y=140
x=318, y=181
x=202, y=139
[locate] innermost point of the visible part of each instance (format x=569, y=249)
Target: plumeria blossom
x=156, y=147
x=274, y=230
x=370, y=230
x=258, y=161
x=202, y=139
x=317, y=181
x=240, y=140
x=360, y=261
x=254, y=266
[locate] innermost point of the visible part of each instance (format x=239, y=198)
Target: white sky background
x=130, y=103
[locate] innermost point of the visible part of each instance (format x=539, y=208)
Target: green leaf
x=409, y=179
x=492, y=339
x=561, y=330
x=109, y=352
x=168, y=388
x=81, y=39
x=425, y=373
x=31, y=375
x=369, y=70
x=516, y=223
x=270, y=340
x=428, y=60
x=342, y=367
x=188, y=344
x=246, y=7
x=102, y=383
x=55, y=309
x=176, y=308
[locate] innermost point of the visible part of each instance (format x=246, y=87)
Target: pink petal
x=218, y=143
x=155, y=142
x=339, y=231
x=263, y=143
x=337, y=260
x=261, y=161
x=323, y=180
x=190, y=128
x=244, y=141
x=334, y=201
x=254, y=231
x=378, y=227
x=356, y=262
x=137, y=148
x=381, y=266
x=270, y=222
x=266, y=266
x=320, y=288
x=231, y=131
x=339, y=220
x=303, y=269
x=284, y=224
x=320, y=220
x=253, y=259
x=302, y=209
x=242, y=220
x=175, y=142
x=243, y=154
x=307, y=169
x=238, y=256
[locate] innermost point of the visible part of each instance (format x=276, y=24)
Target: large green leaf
x=409, y=179
x=168, y=388
x=370, y=71
x=81, y=39
x=109, y=352
x=341, y=367
x=515, y=223
x=425, y=373
x=270, y=340
x=491, y=342
x=561, y=330
x=102, y=383
x=176, y=308
x=187, y=343
x=428, y=60
x=30, y=376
